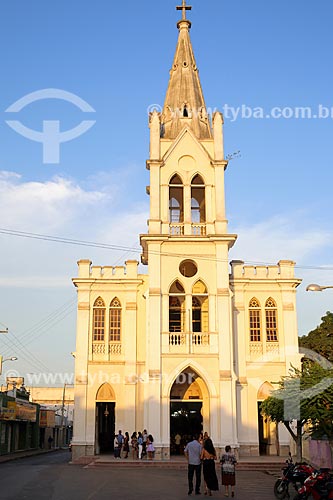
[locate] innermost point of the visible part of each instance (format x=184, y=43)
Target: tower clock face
x=188, y=268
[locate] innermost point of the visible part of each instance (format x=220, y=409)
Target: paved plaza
x=51, y=477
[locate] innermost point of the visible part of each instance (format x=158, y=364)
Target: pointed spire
x=184, y=102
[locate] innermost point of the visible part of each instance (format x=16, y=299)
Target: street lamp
x=316, y=288
x=12, y=358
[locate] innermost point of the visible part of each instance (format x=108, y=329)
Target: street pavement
x=50, y=476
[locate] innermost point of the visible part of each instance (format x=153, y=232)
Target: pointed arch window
x=271, y=320
x=98, y=320
x=115, y=320
x=176, y=207
x=254, y=320
x=199, y=308
x=198, y=205
x=176, y=307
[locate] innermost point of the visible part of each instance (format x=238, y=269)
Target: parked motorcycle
x=319, y=484
x=292, y=473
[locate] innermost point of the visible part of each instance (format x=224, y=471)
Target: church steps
x=271, y=467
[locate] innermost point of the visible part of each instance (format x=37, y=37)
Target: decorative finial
x=184, y=8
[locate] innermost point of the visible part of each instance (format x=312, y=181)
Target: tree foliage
x=321, y=338
x=305, y=396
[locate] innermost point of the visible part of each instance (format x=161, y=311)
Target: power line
x=24, y=353
x=53, y=319
x=30, y=335
x=71, y=241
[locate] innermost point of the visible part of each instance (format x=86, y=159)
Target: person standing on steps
x=144, y=443
x=150, y=447
x=120, y=441
x=140, y=443
x=134, y=445
x=193, y=454
x=126, y=444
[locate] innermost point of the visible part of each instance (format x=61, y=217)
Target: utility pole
x=62, y=414
x=1, y=357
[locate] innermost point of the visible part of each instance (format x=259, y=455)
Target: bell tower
x=187, y=244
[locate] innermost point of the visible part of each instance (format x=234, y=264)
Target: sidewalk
x=26, y=453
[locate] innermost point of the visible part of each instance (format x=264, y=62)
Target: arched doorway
x=105, y=419
x=264, y=425
x=186, y=409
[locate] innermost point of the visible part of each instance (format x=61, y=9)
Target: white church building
x=195, y=342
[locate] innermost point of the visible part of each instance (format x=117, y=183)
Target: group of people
x=200, y=452
x=140, y=443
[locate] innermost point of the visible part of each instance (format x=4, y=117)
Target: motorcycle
x=319, y=485
x=292, y=473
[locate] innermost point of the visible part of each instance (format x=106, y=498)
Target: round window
x=188, y=268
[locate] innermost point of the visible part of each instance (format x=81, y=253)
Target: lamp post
x=316, y=288
x=12, y=358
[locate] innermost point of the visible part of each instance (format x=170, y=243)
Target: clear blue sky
x=116, y=56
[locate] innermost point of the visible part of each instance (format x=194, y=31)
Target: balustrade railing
x=189, y=341
x=198, y=229
x=176, y=229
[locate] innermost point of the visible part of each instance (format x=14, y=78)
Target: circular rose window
x=188, y=268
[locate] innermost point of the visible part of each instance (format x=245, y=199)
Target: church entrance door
x=186, y=409
x=185, y=420
x=105, y=426
x=263, y=432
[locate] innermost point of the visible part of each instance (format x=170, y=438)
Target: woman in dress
x=228, y=462
x=126, y=444
x=150, y=447
x=134, y=445
x=208, y=457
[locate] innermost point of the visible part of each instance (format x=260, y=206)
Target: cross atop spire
x=184, y=8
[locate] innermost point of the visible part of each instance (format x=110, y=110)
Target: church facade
x=195, y=343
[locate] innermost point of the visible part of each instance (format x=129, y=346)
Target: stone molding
x=225, y=375
x=131, y=306
x=83, y=306
x=288, y=306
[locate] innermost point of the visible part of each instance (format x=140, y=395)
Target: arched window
x=199, y=308
x=98, y=320
x=198, y=208
x=176, y=307
x=115, y=320
x=254, y=320
x=176, y=208
x=271, y=320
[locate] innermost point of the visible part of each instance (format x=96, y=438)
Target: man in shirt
x=178, y=440
x=120, y=440
x=192, y=452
